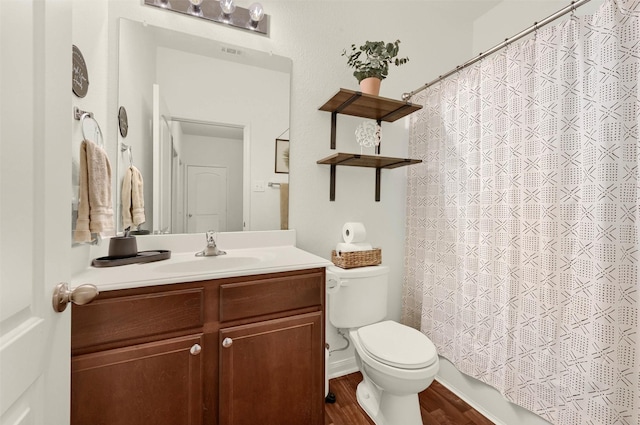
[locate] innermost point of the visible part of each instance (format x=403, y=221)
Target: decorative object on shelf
x=368, y=135
x=79, y=73
x=221, y=11
x=282, y=156
x=371, y=69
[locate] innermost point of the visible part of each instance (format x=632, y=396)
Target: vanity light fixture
x=220, y=11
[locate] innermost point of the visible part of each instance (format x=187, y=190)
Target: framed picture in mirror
x=282, y=156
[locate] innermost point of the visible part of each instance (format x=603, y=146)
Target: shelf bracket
x=378, y=172
x=377, y=148
x=334, y=116
x=332, y=183
x=399, y=109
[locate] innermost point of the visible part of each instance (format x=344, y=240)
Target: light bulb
x=256, y=12
x=194, y=7
x=227, y=6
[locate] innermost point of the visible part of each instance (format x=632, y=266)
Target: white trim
x=246, y=177
x=342, y=367
x=484, y=398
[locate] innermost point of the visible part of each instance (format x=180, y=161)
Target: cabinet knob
x=226, y=343
x=195, y=349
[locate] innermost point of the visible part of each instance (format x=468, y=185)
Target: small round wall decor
x=123, y=121
x=79, y=74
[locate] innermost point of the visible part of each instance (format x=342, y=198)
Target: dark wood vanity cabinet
x=234, y=351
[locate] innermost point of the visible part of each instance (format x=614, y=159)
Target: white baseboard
x=469, y=401
x=341, y=367
x=484, y=398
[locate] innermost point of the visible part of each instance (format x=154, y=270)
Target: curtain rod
x=567, y=9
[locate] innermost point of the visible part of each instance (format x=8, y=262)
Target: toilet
x=396, y=361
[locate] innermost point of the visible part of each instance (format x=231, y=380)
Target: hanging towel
x=284, y=206
x=95, y=210
x=132, y=198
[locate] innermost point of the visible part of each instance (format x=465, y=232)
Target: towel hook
x=125, y=147
x=81, y=115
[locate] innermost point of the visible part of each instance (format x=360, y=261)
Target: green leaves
x=376, y=60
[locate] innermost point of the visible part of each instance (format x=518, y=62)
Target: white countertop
x=248, y=253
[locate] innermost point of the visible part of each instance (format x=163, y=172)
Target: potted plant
x=371, y=63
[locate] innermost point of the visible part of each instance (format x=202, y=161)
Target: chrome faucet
x=211, y=250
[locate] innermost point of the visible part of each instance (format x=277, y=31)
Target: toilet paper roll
x=351, y=247
x=354, y=232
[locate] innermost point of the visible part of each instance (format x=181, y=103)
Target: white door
x=35, y=169
x=206, y=199
x=162, y=146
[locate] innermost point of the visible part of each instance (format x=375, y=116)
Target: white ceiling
x=204, y=129
x=466, y=10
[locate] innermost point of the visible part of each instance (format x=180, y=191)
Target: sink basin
x=207, y=264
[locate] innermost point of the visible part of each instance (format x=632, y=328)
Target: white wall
x=197, y=87
x=135, y=94
x=510, y=17
x=216, y=151
x=90, y=33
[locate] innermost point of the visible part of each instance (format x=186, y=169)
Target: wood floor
x=437, y=404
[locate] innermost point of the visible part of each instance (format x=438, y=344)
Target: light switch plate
x=258, y=185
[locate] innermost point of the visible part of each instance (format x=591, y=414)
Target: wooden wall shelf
x=356, y=160
x=354, y=103
x=358, y=104
x=371, y=161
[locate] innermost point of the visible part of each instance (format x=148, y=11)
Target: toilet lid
x=397, y=345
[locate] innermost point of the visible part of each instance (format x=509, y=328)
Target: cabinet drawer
x=110, y=320
x=269, y=296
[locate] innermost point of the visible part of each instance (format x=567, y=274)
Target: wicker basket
x=349, y=260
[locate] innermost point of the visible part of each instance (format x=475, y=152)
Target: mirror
x=205, y=124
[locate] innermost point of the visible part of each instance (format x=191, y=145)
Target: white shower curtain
x=522, y=248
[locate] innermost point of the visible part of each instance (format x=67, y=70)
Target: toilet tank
x=358, y=296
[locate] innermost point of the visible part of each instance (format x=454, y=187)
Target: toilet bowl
x=396, y=361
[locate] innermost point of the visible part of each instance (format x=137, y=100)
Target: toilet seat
x=397, y=345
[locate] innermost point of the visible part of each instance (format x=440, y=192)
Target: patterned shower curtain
x=522, y=248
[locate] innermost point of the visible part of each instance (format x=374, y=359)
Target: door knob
x=81, y=295
x=226, y=343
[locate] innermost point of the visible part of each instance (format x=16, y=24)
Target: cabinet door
x=272, y=373
x=158, y=383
